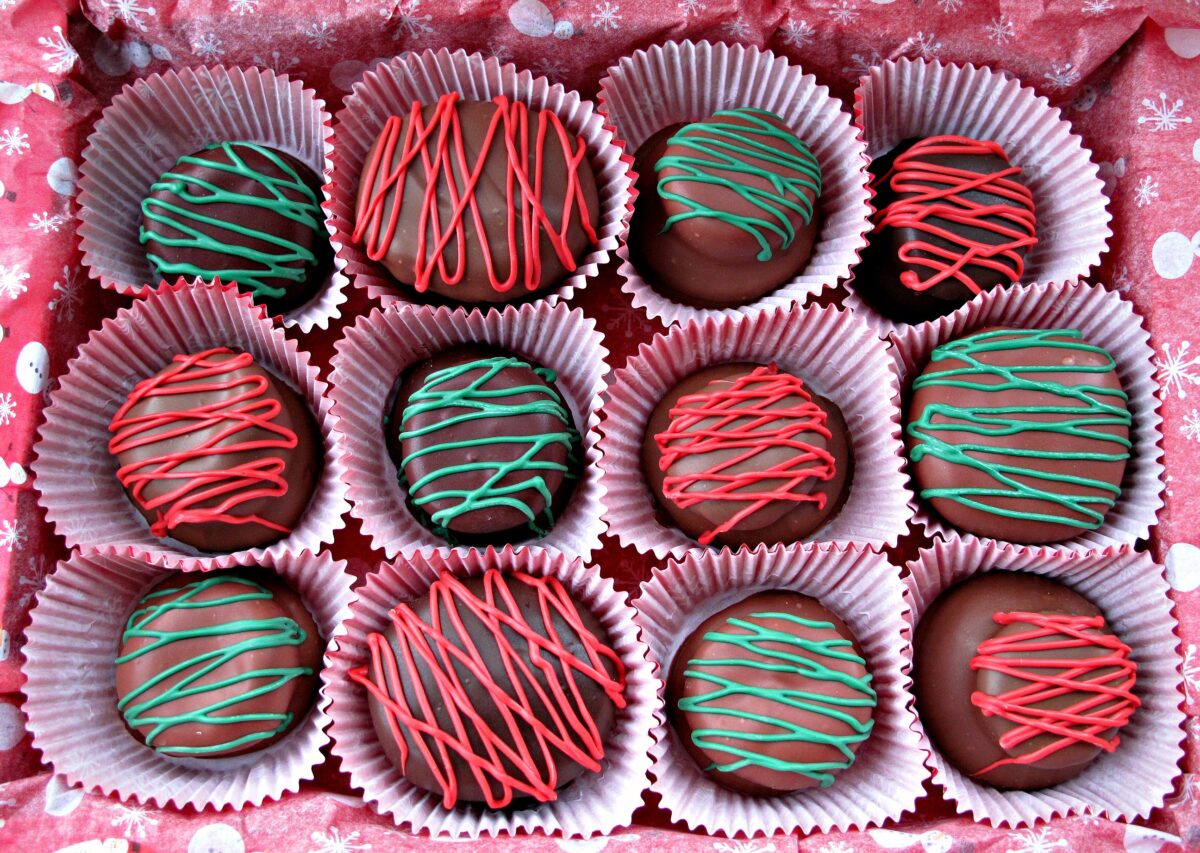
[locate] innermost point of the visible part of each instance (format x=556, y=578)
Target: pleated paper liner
x=913, y=98
x=594, y=803
x=685, y=81
x=158, y=119
x=391, y=88
x=71, y=698
x=835, y=354
x=1106, y=320
x=1131, y=592
x=381, y=346
x=77, y=476
x=862, y=589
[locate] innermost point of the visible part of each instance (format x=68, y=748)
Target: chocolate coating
x=485, y=445
x=258, y=215
x=789, y=518
x=948, y=638
x=705, y=260
x=239, y=623
x=739, y=721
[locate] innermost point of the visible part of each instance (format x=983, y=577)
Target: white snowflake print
x=754, y=846
x=736, y=30
x=130, y=12
x=208, y=47
x=150, y=141
x=334, y=842
x=606, y=16
x=1122, y=280
x=12, y=281
x=13, y=141
x=1189, y=790
x=1061, y=76
x=60, y=55
x=244, y=7
x=691, y=7
x=1097, y=7
x=1035, y=841
x=837, y=847
x=926, y=46
x=133, y=820
x=1176, y=371
x=1146, y=190
x=950, y=6
x=7, y=4
x=1191, y=425
x=1163, y=114
x=501, y=52
x=1191, y=673
x=277, y=62
x=8, y=409
x=798, y=33
x=409, y=20
x=1000, y=30
x=12, y=535
x=44, y=223
x=550, y=67
x=67, y=297
x=860, y=64
x=844, y=13
x=320, y=35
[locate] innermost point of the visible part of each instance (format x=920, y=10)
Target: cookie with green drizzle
x=1020, y=434
x=727, y=208
x=217, y=664
x=485, y=445
x=240, y=212
x=771, y=695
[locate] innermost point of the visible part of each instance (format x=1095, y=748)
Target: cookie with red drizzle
x=495, y=689
x=216, y=452
x=745, y=454
x=1019, y=680
x=953, y=219
x=477, y=201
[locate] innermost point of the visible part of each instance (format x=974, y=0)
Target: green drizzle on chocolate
x=1075, y=409
x=243, y=637
x=759, y=649
x=730, y=154
x=291, y=198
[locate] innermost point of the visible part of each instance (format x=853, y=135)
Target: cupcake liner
x=864, y=590
x=1106, y=320
x=1132, y=592
x=836, y=355
x=685, y=81
x=391, y=88
x=77, y=476
x=906, y=98
x=377, y=350
x=70, y=688
x=594, y=803
x=160, y=118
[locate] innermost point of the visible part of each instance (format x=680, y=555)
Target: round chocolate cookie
x=1019, y=681
x=485, y=445
x=745, y=454
x=771, y=695
x=953, y=220
x=494, y=689
x=1020, y=434
x=240, y=212
x=214, y=664
x=726, y=208
x=520, y=228
x=217, y=453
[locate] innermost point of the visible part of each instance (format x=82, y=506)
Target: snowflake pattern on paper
x=1175, y=370
x=926, y=46
x=244, y=7
x=1146, y=191
x=12, y=281
x=691, y=7
x=150, y=141
x=208, y=47
x=860, y=64
x=798, y=33
x=60, y=54
x=8, y=409
x=551, y=67
x=499, y=51
x=1000, y=30
x=1035, y=841
x=67, y=295
x=130, y=12
x=606, y=16
x=1163, y=114
x=1191, y=673
x=844, y=13
x=46, y=222
x=1061, y=76
x=320, y=35
x=13, y=141
x=133, y=821
x=1097, y=7
x=277, y=62
x=750, y=846
x=334, y=842
x=1189, y=789
x=837, y=847
x=12, y=535
x=1191, y=425
x=736, y=30
x=1122, y=280
x=408, y=20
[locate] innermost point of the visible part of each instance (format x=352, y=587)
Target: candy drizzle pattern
x=1076, y=409
x=940, y=193
x=757, y=646
x=731, y=155
x=212, y=670
x=447, y=172
x=239, y=405
x=476, y=401
x=1104, y=681
x=290, y=198
x=515, y=759
x=744, y=415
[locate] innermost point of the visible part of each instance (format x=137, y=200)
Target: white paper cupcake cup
x=391, y=88
x=158, y=119
x=594, y=803
x=912, y=98
x=686, y=81
x=71, y=698
x=377, y=350
x=837, y=356
x=1131, y=591
x=1106, y=320
x=77, y=476
x=861, y=588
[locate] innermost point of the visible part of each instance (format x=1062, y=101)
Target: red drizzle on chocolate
x=940, y=193
x=526, y=218
x=1102, y=681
